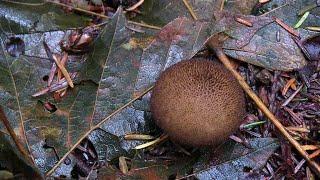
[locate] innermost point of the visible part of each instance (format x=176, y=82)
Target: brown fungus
x=197, y=102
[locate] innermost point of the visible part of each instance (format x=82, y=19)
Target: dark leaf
x=312, y=46
x=107, y=145
x=234, y=160
x=179, y=40
x=291, y=11
x=16, y=18
x=258, y=44
x=13, y=161
x=105, y=83
x=128, y=121
x=162, y=12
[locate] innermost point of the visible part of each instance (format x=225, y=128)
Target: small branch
x=135, y=6
x=63, y=71
x=15, y=139
x=189, y=7
x=60, y=66
x=292, y=96
x=140, y=137
x=101, y=15
x=153, y=143
x=225, y=60
x=222, y=5
x=286, y=27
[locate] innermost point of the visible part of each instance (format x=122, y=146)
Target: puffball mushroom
x=197, y=102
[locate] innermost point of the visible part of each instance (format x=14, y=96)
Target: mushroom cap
x=197, y=102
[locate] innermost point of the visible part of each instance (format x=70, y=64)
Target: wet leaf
x=240, y=6
x=234, y=160
x=107, y=79
x=21, y=77
x=291, y=11
x=17, y=18
x=181, y=39
x=162, y=12
x=106, y=82
x=117, y=68
x=107, y=145
x=259, y=44
x=128, y=121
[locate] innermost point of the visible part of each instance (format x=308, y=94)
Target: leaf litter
x=110, y=74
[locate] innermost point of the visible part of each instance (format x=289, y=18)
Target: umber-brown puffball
x=197, y=102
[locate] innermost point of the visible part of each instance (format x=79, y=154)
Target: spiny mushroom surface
x=197, y=102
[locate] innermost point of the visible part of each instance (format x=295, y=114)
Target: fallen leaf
x=15, y=18
x=258, y=44
x=231, y=160
x=179, y=40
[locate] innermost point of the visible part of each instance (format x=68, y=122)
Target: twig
x=298, y=129
x=96, y=127
x=60, y=66
x=101, y=15
x=189, y=7
x=123, y=166
x=310, y=147
x=63, y=71
x=145, y=25
x=225, y=60
x=286, y=27
x=15, y=139
x=152, y=143
x=292, y=96
x=299, y=165
x=313, y=28
x=243, y=21
x=222, y=5
x=138, y=137
x=135, y=6
x=52, y=73
x=63, y=61
x=263, y=1
x=315, y=154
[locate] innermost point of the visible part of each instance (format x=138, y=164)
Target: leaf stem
x=15, y=138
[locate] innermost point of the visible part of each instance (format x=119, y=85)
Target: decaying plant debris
x=76, y=77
